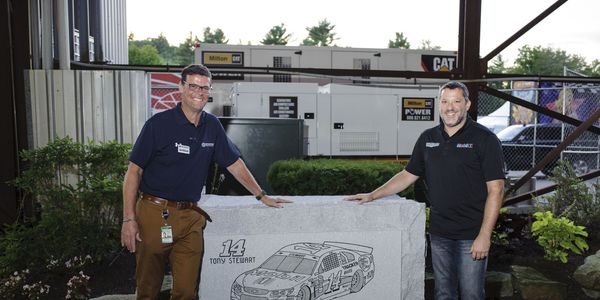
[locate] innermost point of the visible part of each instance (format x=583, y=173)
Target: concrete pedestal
x=318, y=245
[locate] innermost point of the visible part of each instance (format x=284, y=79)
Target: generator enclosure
x=344, y=120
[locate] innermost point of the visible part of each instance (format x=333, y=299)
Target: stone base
x=320, y=245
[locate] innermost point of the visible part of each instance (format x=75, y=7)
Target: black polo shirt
x=456, y=170
x=175, y=154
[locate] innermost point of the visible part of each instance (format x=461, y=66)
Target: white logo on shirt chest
x=181, y=148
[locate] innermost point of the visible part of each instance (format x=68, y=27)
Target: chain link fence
x=527, y=136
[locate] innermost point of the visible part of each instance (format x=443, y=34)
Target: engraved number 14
x=233, y=249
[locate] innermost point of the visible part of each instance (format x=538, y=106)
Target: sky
x=573, y=27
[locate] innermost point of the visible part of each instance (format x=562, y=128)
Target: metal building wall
x=86, y=105
x=114, y=31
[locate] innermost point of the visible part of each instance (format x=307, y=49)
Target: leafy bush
x=331, y=177
x=573, y=199
x=77, y=287
x=76, y=191
x=500, y=233
x=19, y=286
x=558, y=235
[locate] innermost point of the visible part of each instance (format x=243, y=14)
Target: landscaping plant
x=501, y=231
x=331, y=176
x=75, y=192
x=573, y=199
x=558, y=235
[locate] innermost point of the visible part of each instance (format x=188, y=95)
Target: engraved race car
x=304, y=271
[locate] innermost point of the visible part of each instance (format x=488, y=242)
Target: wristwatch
x=261, y=194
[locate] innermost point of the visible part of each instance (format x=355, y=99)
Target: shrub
x=331, y=177
x=77, y=287
x=76, y=193
x=18, y=285
x=573, y=199
x=558, y=235
x=500, y=233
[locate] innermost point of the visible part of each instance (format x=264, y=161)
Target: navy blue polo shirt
x=176, y=155
x=456, y=170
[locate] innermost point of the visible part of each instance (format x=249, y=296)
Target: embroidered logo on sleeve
x=181, y=148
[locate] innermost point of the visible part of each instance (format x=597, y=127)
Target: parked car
x=522, y=143
x=305, y=271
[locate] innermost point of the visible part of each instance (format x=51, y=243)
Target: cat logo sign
x=438, y=63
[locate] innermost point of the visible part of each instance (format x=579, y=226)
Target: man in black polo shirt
x=169, y=165
x=461, y=162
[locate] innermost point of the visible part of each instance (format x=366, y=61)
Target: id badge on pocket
x=166, y=234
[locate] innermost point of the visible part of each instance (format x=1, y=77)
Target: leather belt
x=176, y=204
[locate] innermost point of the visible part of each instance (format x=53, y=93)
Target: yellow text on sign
x=221, y=58
x=414, y=103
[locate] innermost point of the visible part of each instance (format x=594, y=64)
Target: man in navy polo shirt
x=462, y=164
x=169, y=165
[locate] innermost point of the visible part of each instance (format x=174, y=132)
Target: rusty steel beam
x=472, y=66
x=523, y=30
x=537, y=108
x=551, y=188
x=556, y=151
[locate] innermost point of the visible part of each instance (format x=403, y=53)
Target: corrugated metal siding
x=114, y=31
x=86, y=105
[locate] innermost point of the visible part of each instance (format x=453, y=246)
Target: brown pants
x=184, y=254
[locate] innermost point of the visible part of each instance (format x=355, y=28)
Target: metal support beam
x=556, y=151
x=63, y=40
x=470, y=45
x=81, y=15
x=523, y=30
x=14, y=57
x=536, y=108
x=545, y=190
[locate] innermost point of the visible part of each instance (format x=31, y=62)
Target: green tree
x=593, y=69
x=161, y=44
x=144, y=55
x=498, y=66
x=216, y=37
x=276, y=36
x=165, y=50
x=400, y=42
x=546, y=61
x=184, y=54
x=426, y=45
x=320, y=35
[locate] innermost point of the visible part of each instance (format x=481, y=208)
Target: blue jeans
x=454, y=269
